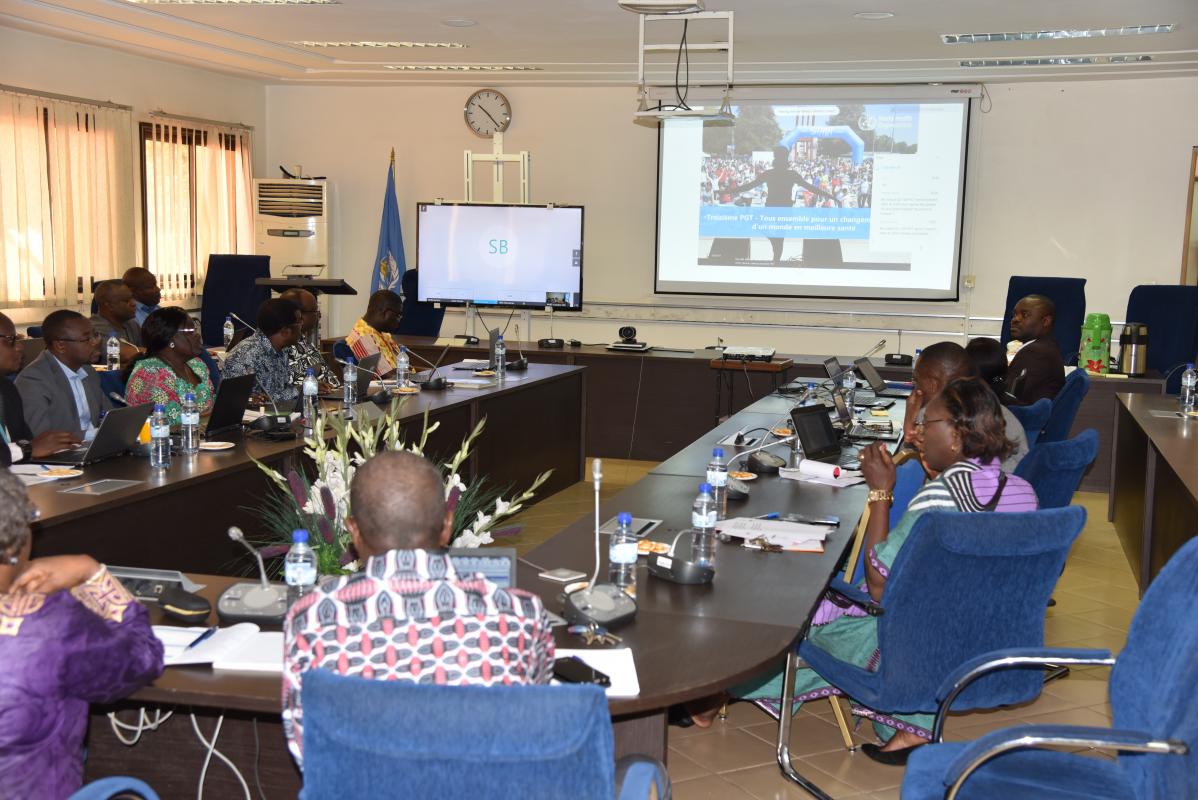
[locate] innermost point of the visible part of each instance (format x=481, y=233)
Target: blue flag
x=389, y=264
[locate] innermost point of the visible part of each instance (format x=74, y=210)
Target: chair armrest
x=995, y=660
x=1024, y=736
x=641, y=778
x=856, y=596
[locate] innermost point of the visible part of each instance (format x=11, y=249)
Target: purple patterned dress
x=58, y=653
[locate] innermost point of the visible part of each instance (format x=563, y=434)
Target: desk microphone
x=275, y=422
x=117, y=398
x=243, y=322
x=599, y=603
x=434, y=383
x=252, y=602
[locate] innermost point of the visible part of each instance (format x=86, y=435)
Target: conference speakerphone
x=749, y=353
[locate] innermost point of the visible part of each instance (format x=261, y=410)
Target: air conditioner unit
x=291, y=225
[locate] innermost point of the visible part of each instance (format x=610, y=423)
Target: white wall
x=1083, y=179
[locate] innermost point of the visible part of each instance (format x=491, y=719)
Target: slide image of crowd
x=823, y=181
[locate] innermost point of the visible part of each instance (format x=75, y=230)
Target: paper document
x=824, y=474
x=795, y=537
x=616, y=664
x=242, y=646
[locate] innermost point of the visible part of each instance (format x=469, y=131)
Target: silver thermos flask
x=1133, y=349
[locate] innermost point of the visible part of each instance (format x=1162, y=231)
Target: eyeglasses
x=922, y=425
x=187, y=331
x=12, y=340
x=92, y=337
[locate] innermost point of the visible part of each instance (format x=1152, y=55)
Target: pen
x=771, y=515
x=202, y=637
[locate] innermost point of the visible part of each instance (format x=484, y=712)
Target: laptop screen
x=814, y=428
x=497, y=564
x=870, y=374
x=832, y=367
x=842, y=407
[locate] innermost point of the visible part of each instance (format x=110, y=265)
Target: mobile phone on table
x=575, y=670
x=562, y=575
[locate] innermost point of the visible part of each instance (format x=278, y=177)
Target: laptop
x=856, y=429
x=367, y=367
x=819, y=440
x=497, y=564
x=228, y=407
x=118, y=432
x=881, y=388
x=833, y=367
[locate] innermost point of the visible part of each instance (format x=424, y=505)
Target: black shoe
x=679, y=717
x=891, y=758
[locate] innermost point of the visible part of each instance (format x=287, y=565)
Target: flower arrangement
x=322, y=505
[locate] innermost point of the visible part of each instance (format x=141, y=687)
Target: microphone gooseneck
x=236, y=535
x=597, y=477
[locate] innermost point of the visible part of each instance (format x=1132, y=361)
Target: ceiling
x=593, y=42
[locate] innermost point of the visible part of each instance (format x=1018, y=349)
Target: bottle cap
x=717, y=453
x=311, y=374
x=704, y=488
x=403, y=349
x=624, y=518
x=299, y=536
x=499, y=338
x=1190, y=365
x=158, y=407
x=189, y=398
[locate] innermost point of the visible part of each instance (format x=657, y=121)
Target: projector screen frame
x=515, y=304
x=966, y=94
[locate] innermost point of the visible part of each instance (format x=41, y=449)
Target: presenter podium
x=316, y=286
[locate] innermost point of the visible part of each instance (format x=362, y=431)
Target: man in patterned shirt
x=263, y=351
x=372, y=333
x=408, y=615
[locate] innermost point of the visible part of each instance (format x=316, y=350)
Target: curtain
x=198, y=200
x=66, y=199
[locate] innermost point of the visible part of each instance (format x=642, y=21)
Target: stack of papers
x=810, y=471
x=243, y=646
x=616, y=664
x=794, y=537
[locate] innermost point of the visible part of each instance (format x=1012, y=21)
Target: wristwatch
x=880, y=494
x=26, y=449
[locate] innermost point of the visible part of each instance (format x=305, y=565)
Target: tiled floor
x=1096, y=598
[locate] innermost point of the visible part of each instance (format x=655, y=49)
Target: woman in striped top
x=964, y=440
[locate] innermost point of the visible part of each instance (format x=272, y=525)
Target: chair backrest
x=342, y=351
x=1168, y=311
x=1032, y=418
x=419, y=319
x=229, y=287
x=1065, y=406
x=1152, y=683
x=367, y=738
x=1055, y=469
x=962, y=585
x=1069, y=295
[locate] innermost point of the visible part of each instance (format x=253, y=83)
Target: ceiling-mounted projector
x=661, y=6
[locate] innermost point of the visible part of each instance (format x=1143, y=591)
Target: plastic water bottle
x=809, y=398
x=299, y=568
x=1189, y=386
x=622, y=553
x=349, y=388
x=717, y=476
x=160, y=439
x=311, y=391
x=703, y=519
x=500, y=359
x=189, y=425
x=227, y=331
x=112, y=353
x=401, y=367
x=848, y=383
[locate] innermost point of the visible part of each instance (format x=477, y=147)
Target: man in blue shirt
x=145, y=290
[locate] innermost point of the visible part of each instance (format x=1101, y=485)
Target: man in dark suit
x=60, y=390
x=19, y=443
x=1037, y=369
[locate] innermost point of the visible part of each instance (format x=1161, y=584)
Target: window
x=66, y=198
x=195, y=199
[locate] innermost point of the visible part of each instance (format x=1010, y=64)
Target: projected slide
x=830, y=199
x=500, y=254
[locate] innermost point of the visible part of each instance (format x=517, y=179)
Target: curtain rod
x=68, y=98
x=201, y=120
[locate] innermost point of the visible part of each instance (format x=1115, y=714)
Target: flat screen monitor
x=500, y=255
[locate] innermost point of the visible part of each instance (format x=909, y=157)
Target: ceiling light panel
x=1055, y=61
x=417, y=45
x=1036, y=36
x=462, y=68
x=236, y=2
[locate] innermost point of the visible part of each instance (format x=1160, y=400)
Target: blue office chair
x=1065, y=406
x=1055, y=469
x=34, y=331
x=116, y=786
x=1152, y=699
x=419, y=319
x=909, y=479
x=367, y=738
x=1069, y=295
x=342, y=351
x=230, y=286
x=962, y=585
x=1168, y=311
x=1032, y=418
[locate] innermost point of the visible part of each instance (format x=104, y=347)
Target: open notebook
x=242, y=646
